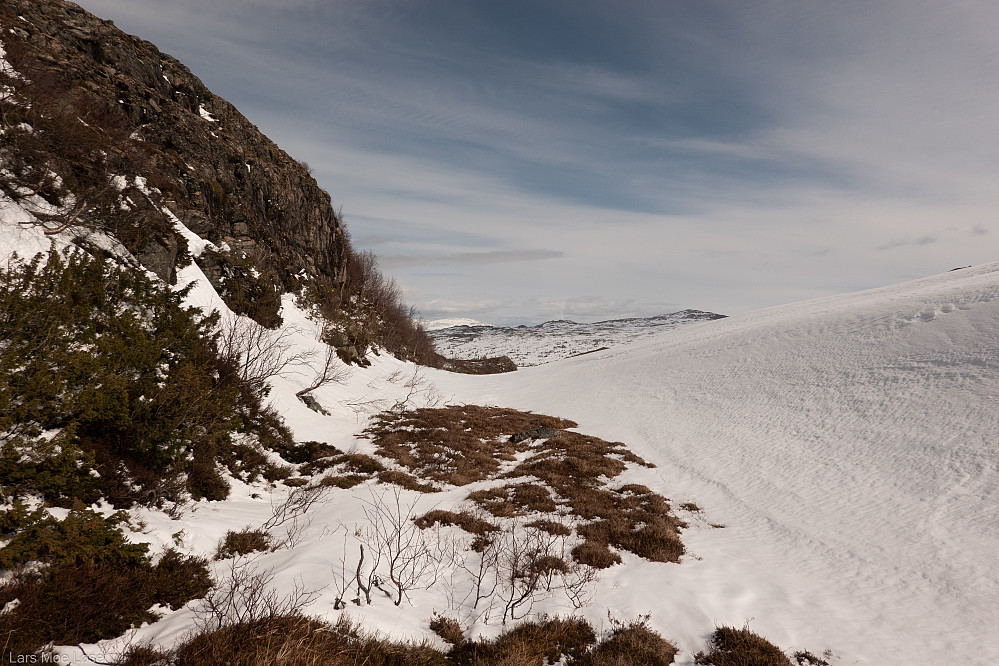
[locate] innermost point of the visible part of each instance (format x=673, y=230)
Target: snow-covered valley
x=552, y=340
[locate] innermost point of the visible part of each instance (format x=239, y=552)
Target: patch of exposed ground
x=563, y=480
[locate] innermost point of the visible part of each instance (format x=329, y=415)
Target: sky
x=514, y=162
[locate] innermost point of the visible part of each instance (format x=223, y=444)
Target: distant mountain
x=553, y=340
x=438, y=324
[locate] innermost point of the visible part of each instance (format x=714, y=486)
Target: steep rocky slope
x=84, y=102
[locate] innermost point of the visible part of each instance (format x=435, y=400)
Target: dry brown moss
x=458, y=444
x=567, y=473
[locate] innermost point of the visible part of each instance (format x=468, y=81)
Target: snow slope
x=850, y=446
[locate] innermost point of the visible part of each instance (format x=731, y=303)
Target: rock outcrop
x=145, y=114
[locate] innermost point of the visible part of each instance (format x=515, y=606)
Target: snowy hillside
x=849, y=446
x=552, y=340
x=841, y=454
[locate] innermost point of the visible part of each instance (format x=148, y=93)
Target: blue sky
x=520, y=161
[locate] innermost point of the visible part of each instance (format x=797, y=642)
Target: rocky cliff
x=87, y=108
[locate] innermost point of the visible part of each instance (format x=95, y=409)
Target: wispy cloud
x=472, y=258
x=922, y=240
x=719, y=155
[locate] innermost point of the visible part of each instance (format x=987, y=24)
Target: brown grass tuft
x=343, y=481
x=515, y=500
x=299, y=641
x=596, y=555
x=407, y=481
x=463, y=519
x=629, y=645
x=448, y=629
x=550, y=526
x=741, y=647
x=242, y=543
x=544, y=641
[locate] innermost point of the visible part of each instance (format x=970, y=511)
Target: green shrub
x=93, y=584
x=108, y=383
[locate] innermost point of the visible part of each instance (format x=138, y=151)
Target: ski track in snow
x=848, y=445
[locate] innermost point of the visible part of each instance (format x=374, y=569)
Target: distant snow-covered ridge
x=552, y=340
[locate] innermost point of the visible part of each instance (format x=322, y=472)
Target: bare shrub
x=247, y=594
x=394, y=555
x=257, y=353
x=330, y=369
x=413, y=558
x=293, y=515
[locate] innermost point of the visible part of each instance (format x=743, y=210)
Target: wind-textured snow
x=848, y=445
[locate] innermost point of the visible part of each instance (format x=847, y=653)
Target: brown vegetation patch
x=462, y=444
x=515, y=500
x=291, y=641
x=448, y=628
x=544, y=641
x=738, y=647
x=457, y=444
x=596, y=555
x=639, y=522
x=463, y=519
x=550, y=526
x=343, y=481
x=631, y=644
x=407, y=481
x=242, y=543
x=294, y=640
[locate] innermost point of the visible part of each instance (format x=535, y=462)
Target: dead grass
x=407, y=481
x=461, y=444
x=550, y=526
x=741, y=647
x=448, y=628
x=456, y=445
x=343, y=481
x=544, y=641
x=463, y=519
x=294, y=641
x=242, y=543
x=515, y=500
x=595, y=554
x=631, y=644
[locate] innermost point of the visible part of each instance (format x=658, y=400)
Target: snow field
x=848, y=445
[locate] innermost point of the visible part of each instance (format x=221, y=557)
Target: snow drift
x=849, y=446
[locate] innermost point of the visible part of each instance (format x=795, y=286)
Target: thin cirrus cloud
x=717, y=155
x=466, y=258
